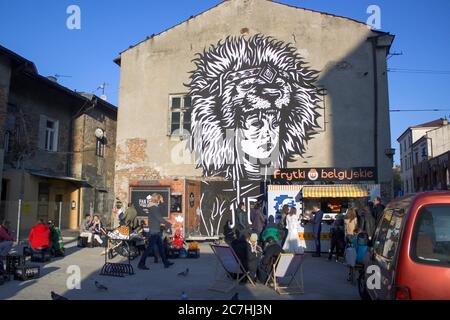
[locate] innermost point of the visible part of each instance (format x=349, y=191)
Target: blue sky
x=37, y=30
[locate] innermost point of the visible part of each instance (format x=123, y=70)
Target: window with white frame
x=180, y=108
x=51, y=135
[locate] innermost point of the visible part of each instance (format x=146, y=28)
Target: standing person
x=118, y=211
x=378, y=209
x=317, y=228
x=257, y=218
x=292, y=243
x=369, y=222
x=6, y=239
x=241, y=218
x=337, y=237
x=351, y=223
x=157, y=225
x=284, y=229
x=129, y=218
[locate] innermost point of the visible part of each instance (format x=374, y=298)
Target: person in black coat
x=378, y=209
x=271, y=252
x=157, y=226
x=228, y=232
x=243, y=251
x=317, y=228
x=241, y=218
x=337, y=237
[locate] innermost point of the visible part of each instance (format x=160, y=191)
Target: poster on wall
x=144, y=198
x=276, y=199
x=217, y=204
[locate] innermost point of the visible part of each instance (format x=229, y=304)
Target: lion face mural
x=254, y=107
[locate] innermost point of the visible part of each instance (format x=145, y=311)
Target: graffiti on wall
x=255, y=106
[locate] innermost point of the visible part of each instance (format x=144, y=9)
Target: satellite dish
x=99, y=133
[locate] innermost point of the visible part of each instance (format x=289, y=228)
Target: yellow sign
x=310, y=236
x=26, y=208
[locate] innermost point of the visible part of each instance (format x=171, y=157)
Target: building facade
x=54, y=166
x=415, y=146
x=431, y=159
x=218, y=103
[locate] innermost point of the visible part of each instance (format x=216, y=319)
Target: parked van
x=411, y=249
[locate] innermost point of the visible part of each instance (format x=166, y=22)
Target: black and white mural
x=255, y=106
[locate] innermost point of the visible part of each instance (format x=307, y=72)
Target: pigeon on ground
x=235, y=296
x=100, y=286
x=56, y=296
x=184, y=273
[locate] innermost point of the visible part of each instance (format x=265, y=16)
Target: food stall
x=333, y=199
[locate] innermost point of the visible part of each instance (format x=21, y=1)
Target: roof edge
x=118, y=59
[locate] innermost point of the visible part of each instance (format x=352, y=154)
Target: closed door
x=58, y=206
x=43, y=199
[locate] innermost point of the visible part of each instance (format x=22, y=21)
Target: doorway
x=58, y=205
x=43, y=199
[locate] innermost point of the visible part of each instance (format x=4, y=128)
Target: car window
x=431, y=235
x=382, y=231
x=393, y=234
x=388, y=238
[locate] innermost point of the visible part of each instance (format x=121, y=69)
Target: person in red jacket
x=39, y=236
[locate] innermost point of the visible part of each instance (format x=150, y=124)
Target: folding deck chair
x=228, y=263
x=285, y=273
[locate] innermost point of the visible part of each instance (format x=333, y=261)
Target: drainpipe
x=373, y=40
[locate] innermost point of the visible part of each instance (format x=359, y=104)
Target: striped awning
x=284, y=187
x=336, y=191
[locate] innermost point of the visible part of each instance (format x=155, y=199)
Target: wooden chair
x=228, y=263
x=287, y=274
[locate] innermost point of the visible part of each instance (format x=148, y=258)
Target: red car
x=410, y=250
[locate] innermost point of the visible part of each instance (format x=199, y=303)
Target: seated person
x=97, y=229
x=254, y=255
x=177, y=240
x=243, y=250
x=85, y=228
x=271, y=252
x=360, y=243
x=6, y=239
x=56, y=240
x=92, y=229
x=39, y=236
x=228, y=232
x=271, y=230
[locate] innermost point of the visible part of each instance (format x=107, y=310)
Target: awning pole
x=19, y=211
x=59, y=219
